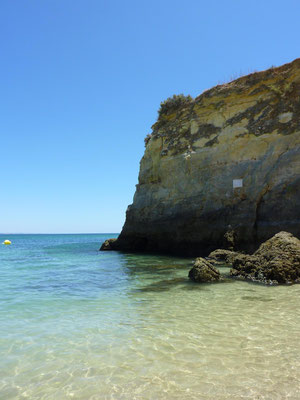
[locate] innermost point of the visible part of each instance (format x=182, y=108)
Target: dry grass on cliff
x=237, y=82
x=240, y=75
x=177, y=101
x=234, y=76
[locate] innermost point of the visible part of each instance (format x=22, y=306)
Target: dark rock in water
x=222, y=255
x=203, y=271
x=276, y=261
x=108, y=244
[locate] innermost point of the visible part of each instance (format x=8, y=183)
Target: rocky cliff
x=221, y=169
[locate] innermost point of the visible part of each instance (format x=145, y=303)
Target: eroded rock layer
x=226, y=161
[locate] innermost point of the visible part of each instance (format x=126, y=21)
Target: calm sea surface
x=77, y=323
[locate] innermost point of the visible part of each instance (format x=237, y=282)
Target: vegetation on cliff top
x=170, y=109
x=173, y=103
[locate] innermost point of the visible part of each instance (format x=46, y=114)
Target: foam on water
x=81, y=324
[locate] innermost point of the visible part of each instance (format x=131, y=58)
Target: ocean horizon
x=82, y=324
x=59, y=233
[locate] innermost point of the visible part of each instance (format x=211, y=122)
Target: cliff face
x=226, y=161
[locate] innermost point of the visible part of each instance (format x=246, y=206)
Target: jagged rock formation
x=276, y=261
x=108, y=244
x=222, y=169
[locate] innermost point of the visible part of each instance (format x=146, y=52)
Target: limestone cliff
x=227, y=160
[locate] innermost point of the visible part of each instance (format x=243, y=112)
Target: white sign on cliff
x=237, y=183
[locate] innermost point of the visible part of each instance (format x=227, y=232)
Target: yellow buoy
x=7, y=242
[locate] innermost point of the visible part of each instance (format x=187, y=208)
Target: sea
x=79, y=323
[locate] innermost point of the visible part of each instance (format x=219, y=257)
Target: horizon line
x=59, y=233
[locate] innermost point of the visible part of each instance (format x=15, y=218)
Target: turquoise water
x=77, y=323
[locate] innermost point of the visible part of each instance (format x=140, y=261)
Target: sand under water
x=81, y=324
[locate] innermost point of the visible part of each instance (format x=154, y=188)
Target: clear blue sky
x=81, y=82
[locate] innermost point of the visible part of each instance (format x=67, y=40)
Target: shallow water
x=81, y=324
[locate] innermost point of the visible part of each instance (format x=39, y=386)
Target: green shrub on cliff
x=173, y=103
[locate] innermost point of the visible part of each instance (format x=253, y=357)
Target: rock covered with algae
x=203, y=271
x=277, y=261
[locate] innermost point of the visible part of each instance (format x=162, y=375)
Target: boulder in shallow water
x=203, y=271
x=108, y=244
x=276, y=261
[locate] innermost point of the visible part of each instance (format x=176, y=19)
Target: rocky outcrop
x=203, y=271
x=276, y=261
x=222, y=169
x=108, y=244
x=222, y=255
